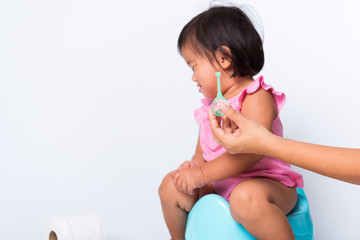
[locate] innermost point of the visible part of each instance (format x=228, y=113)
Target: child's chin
x=208, y=96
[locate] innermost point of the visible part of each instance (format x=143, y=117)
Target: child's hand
x=185, y=164
x=188, y=179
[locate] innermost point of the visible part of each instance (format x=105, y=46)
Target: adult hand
x=188, y=179
x=238, y=134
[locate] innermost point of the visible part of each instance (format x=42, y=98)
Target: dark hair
x=226, y=26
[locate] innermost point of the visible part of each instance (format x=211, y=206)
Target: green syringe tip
x=218, y=74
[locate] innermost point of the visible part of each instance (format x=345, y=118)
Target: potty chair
x=210, y=219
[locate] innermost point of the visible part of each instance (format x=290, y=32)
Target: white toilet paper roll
x=74, y=227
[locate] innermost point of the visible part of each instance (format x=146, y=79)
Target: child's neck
x=237, y=84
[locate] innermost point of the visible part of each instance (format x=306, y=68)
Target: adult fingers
x=214, y=123
x=216, y=129
x=234, y=126
x=226, y=124
x=233, y=115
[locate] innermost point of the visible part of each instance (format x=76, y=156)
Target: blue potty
x=210, y=219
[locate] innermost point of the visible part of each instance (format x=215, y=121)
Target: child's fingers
x=191, y=191
x=173, y=173
x=186, y=164
x=183, y=187
x=175, y=178
x=178, y=184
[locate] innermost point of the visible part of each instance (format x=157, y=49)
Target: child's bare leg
x=176, y=205
x=260, y=205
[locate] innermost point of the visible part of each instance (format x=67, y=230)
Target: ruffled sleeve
x=201, y=114
x=279, y=97
x=211, y=149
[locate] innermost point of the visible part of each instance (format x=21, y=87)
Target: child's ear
x=223, y=57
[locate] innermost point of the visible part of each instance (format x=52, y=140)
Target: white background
x=96, y=106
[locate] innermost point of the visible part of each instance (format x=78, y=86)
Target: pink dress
x=267, y=167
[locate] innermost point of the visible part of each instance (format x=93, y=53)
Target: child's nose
x=194, y=78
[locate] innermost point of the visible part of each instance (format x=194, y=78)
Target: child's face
x=203, y=71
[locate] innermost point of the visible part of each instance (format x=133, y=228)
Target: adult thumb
x=233, y=115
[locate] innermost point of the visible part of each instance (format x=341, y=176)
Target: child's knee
x=166, y=187
x=246, y=205
x=169, y=194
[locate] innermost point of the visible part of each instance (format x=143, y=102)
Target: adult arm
x=250, y=137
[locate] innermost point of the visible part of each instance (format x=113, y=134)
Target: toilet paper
x=84, y=226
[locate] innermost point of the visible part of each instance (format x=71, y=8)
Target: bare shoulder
x=260, y=107
x=261, y=96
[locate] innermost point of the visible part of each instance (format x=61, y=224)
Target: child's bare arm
x=229, y=165
x=259, y=107
x=198, y=159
